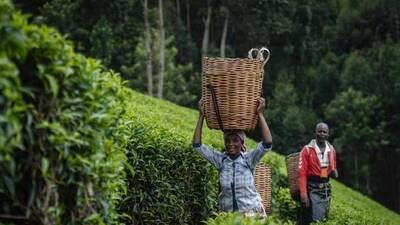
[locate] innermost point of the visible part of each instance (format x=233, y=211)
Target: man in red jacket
x=316, y=164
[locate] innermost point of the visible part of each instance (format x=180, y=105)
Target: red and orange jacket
x=309, y=165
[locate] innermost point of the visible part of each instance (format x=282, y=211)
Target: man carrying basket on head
x=236, y=166
x=316, y=164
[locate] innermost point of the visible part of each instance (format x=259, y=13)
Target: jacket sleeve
x=303, y=166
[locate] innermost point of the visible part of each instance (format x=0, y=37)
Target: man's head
x=234, y=141
x=321, y=132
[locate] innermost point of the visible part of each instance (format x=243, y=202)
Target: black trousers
x=319, y=194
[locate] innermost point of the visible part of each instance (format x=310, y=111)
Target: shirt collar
x=241, y=154
x=313, y=144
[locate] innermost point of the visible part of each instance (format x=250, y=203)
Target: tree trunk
x=393, y=162
x=224, y=34
x=188, y=18
x=162, y=51
x=395, y=22
x=357, y=184
x=368, y=181
x=178, y=9
x=398, y=198
x=149, y=53
x=204, y=46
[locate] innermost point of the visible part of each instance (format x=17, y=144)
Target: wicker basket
x=292, y=165
x=231, y=88
x=263, y=185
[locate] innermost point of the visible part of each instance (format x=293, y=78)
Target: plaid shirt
x=236, y=178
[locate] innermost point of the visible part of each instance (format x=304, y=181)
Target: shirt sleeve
x=303, y=167
x=213, y=156
x=254, y=156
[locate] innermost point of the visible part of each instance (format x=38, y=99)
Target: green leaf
x=44, y=167
x=10, y=186
x=53, y=84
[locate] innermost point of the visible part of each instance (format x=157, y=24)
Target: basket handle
x=260, y=54
x=250, y=54
x=216, y=108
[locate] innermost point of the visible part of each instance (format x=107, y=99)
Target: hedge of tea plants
x=75, y=149
x=78, y=147
x=169, y=183
x=61, y=161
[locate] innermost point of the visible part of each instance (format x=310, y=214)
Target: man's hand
x=334, y=174
x=261, y=105
x=305, y=202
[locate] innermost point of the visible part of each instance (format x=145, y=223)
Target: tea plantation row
x=76, y=149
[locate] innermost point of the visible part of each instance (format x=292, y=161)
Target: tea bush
x=74, y=148
x=61, y=160
x=169, y=182
x=236, y=219
x=351, y=207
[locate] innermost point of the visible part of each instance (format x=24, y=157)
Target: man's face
x=322, y=133
x=233, y=144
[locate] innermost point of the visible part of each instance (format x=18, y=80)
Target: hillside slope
x=348, y=207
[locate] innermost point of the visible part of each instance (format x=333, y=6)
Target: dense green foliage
x=75, y=150
x=236, y=219
x=168, y=184
x=61, y=156
x=78, y=147
x=322, y=52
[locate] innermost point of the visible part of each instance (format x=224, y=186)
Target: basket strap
x=216, y=108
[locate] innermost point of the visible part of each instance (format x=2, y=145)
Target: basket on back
x=292, y=165
x=262, y=180
x=231, y=88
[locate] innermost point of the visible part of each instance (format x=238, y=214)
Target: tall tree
x=162, y=50
x=178, y=8
x=149, y=66
x=206, y=34
x=188, y=18
x=352, y=114
x=102, y=42
x=224, y=31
